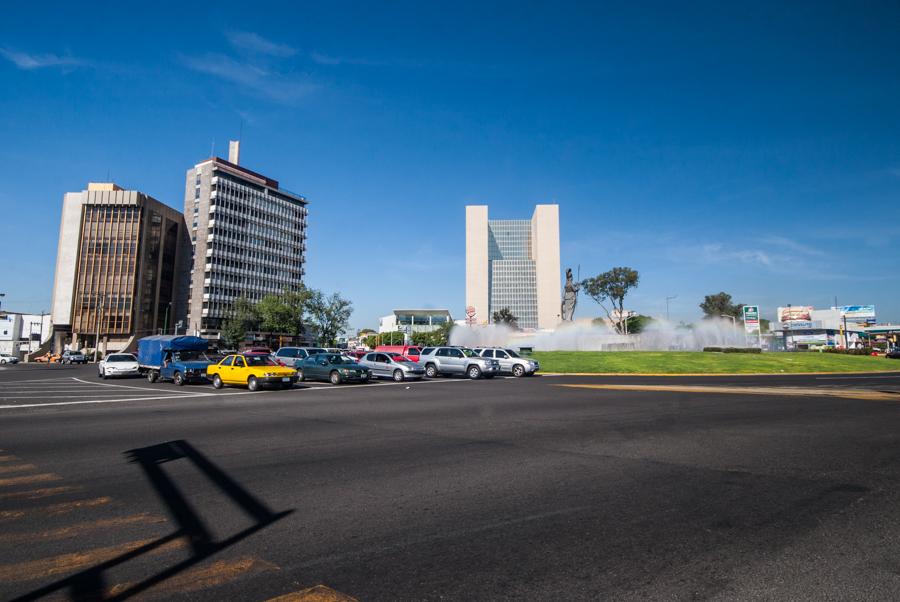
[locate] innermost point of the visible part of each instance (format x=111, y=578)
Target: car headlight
x=345, y=371
x=268, y=374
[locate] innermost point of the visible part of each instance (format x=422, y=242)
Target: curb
x=871, y=373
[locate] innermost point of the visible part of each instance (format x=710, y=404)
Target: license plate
x=285, y=380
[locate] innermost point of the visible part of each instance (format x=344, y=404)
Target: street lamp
x=733, y=320
x=667, y=305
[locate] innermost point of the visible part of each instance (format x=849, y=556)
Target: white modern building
x=23, y=333
x=514, y=265
x=415, y=320
x=248, y=235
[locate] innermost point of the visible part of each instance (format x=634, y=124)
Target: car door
x=504, y=359
x=383, y=366
x=456, y=361
x=238, y=372
x=223, y=369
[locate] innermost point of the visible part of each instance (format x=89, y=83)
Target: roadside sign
x=751, y=319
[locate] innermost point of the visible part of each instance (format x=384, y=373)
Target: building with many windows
x=120, y=268
x=248, y=235
x=513, y=264
x=414, y=320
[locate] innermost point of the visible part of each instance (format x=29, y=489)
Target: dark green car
x=332, y=367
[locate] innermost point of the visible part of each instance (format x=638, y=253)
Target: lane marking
x=56, y=509
x=81, y=528
x=33, y=478
x=96, y=384
x=16, y=468
x=8, y=458
x=36, y=494
x=317, y=593
x=42, y=568
x=204, y=577
x=124, y=399
x=771, y=391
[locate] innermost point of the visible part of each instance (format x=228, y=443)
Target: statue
x=570, y=297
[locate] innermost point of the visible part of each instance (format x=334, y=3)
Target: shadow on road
x=90, y=584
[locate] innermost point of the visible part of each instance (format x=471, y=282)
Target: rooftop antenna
x=212, y=150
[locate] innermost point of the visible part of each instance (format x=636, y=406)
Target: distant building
x=120, y=263
x=416, y=320
x=803, y=326
x=513, y=264
x=23, y=333
x=248, y=235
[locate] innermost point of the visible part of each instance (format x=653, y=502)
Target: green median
x=695, y=362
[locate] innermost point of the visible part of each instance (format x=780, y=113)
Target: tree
x=284, y=313
x=329, y=315
x=505, y=316
x=609, y=290
x=440, y=336
x=243, y=319
x=715, y=306
x=638, y=323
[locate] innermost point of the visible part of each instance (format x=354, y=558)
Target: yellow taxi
x=252, y=370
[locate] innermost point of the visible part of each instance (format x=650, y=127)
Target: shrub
x=742, y=350
x=861, y=351
x=713, y=349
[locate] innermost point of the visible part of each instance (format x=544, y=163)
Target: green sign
x=751, y=319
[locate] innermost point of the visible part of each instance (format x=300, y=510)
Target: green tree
x=638, y=323
x=505, y=316
x=720, y=304
x=440, y=336
x=609, y=290
x=329, y=315
x=284, y=313
x=242, y=319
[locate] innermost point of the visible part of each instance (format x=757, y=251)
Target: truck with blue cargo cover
x=177, y=358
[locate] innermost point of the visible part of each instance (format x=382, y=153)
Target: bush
x=742, y=350
x=861, y=351
x=713, y=349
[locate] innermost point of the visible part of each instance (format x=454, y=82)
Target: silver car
x=118, y=364
x=510, y=361
x=294, y=356
x=392, y=365
x=457, y=360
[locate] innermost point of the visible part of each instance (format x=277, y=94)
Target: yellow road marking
x=32, y=478
x=7, y=458
x=200, y=578
x=775, y=391
x=34, y=494
x=57, y=509
x=318, y=593
x=66, y=563
x=16, y=468
x=73, y=530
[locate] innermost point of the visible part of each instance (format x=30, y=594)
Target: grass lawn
x=685, y=362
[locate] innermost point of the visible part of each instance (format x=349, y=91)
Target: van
x=411, y=351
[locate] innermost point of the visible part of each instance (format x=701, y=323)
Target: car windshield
x=512, y=353
x=187, y=356
x=334, y=358
x=469, y=353
x=259, y=360
x=315, y=350
x=121, y=358
x=400, y=358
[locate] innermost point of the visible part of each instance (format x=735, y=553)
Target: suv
x=294, y=356
x=73, y=357
x=457, y=360
x=6, y=358
x=510, y=361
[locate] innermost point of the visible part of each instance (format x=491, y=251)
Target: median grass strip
x=696, y=362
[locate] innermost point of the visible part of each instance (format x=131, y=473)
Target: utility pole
x=99, y=318
x=667, y=305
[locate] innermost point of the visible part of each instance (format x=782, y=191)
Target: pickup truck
x=181, y=359
x=73, y=357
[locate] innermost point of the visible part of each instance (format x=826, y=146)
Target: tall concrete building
x=513, y=264
x=120, y=267
x=249, y=238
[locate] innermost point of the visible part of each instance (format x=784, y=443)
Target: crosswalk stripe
x=8, y=458
x=56, y=509
x=16, y=468
x=81, y=528
x=35, y=494
x=32, y=478
x=318, y=593
x=204, y=577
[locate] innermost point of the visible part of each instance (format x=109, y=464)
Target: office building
x=513, y=264
x=249, y=239
x=414, y=320
x=120, y=264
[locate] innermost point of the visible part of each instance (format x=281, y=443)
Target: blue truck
x=180, y=359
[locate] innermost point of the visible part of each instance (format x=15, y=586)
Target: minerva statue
x=570, y=297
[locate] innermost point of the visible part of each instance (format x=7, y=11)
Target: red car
x=257, y=351
x=411, y=351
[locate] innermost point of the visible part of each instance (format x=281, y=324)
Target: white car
x=5, y=358
x=118, y=364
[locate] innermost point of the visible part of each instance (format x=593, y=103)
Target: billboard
x=858, y=313
x=796, y=313
x=751, y=319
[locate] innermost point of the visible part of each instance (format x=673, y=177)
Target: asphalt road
x=450, y=489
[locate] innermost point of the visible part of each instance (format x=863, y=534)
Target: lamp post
x=99, y=318
x=733, y=320
x=667, y=305
x=166, y=324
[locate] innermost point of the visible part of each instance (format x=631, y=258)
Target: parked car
x=177, y=357
x=894, y=353
x=254, y=370
x=5, y=358
x=332, y=367
x=390, y=365
x=357, y=353
x=118, y=364
x=510, y=361
x=411, y=351
x=73, y=357
x=292, y=356
x=457, y=360
x=257, y=351
x=47, y=358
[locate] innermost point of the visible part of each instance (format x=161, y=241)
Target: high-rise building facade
x=249, y=238
x=514, y=265
x=120, y=268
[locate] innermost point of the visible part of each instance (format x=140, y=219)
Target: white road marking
x=854, y=377
x=95, y=401
x=96, y=384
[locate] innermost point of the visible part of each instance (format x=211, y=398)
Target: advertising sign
x=471, y=315
x=858, y=313
x=795, y=313
x=751, y=319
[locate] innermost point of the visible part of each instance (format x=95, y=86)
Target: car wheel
x=518, y=370
x=398, y=375
x=473, y=372
x=253, y=384
x=153, y=376
x=431, y=371
x=99, y=373
x=2, y=361
x=217, y=382
x=335, y=378
x=300, y=377
x=179, y=379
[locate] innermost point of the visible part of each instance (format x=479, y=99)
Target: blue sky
x=749, y=148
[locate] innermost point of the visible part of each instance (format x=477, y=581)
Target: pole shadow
x=90, y=584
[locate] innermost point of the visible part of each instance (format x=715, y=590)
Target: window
x=382, y=358
x=427, y=350
x=443, y=353
x=227, y=361
x=487, y=353
x=238, y=361
x=501, y=355
x=454, y=353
